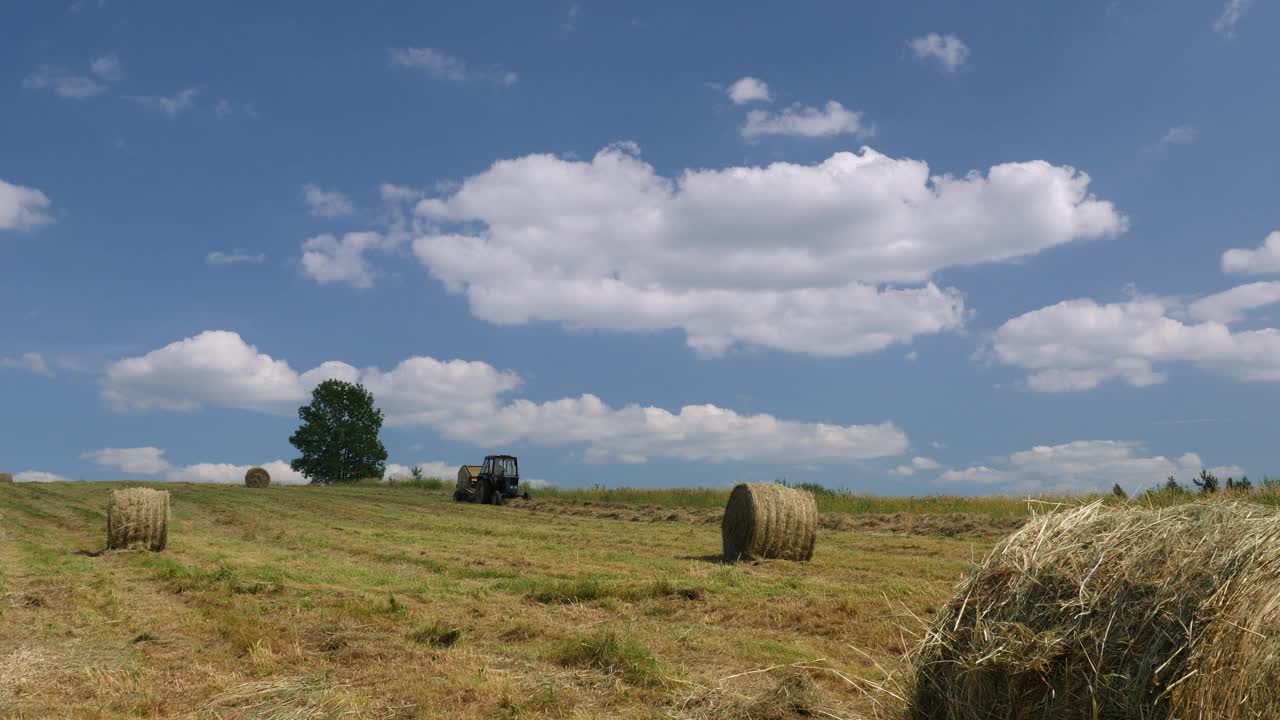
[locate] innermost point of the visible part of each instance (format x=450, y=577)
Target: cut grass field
x=394, y=602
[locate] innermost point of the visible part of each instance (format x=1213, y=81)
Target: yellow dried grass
x=1116, y=613
x=138, y=518
x=769, y=521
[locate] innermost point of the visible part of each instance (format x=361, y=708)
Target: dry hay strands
x=6, y=477
x=138, y=518
x=769, y=521
x=257, y=478
x=1113, y=613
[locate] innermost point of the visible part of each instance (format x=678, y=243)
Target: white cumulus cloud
x=1084, y=465
x=326, y=203
x=949, y=50
x=168, y=105
x=786, y=256
x=328, y=259
x=37, y=476
x=429, y=468
x=1232, y=12
x=232, y=474
x=108, y=67
x=30, y=361
x=22, y=208
x=1079, y=344
x=748, y=89
x=144, y=460
x=63, y=83
x=806, y=122
x=235, y=257
x=1263, y=260
x=1233, y=305
x=463, y=400
x=444, y=66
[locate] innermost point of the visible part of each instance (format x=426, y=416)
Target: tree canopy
x=338, y=437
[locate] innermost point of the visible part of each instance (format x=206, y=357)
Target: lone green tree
x=338, y=437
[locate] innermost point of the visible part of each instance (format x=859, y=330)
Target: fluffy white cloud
x=63, y=83
x=1231, y=13
x=949, y=50
x=1232, y=305
x=447, y=67
x=785, y=256
x=171, y=105
x=217, y=257
x=462, y=400
x=31, y=362
x=976, y=475
x=327, y=259
x=22, y=208
x=1084, y=465
x=108, y=67
x=431, y=469
x=806, y=122
x=326, y=203
x=145, y=460
x=230, y=474
x=917, y=463
x=1079, y=344
x=151, y=461
x=1180, y=135
x=37, y=476
x=213, y=368
x=1263, y=260
x=748, y=89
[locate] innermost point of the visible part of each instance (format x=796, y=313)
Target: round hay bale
x=1117, y=613
x=769, y=521
x=257, y=478
x=6, y=477
x=138, y=518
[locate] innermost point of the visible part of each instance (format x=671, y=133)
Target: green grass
x=844, y=501
x=406, y=603
x=612, y=654
x=828, y=501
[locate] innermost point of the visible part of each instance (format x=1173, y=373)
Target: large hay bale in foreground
x=769, y=521
x=138, y=518
x=1113, y=613
x=6, y=477
x=257, y=478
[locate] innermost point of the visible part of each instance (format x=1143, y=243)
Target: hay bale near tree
x=769, y=521
x=257, y=477
x=1120, y=612
x=138, y=518
x=6, y=478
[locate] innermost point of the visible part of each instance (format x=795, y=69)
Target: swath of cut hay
x=138, y=518
x=257, y=477
x=769, y=521
x=1113, y=613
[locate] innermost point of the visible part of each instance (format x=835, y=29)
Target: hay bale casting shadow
x=769, y=521
x=257, y=478
x=1113, y=613
x=138, y=518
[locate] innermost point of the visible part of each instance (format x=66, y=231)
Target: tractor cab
x=498, y=479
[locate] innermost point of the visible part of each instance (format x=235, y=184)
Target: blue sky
x=938, y=248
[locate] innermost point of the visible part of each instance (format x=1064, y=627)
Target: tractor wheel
x=457, y=495
x=483, y=492
x=496, y=497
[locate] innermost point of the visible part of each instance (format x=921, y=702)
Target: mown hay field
x=394, y=602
